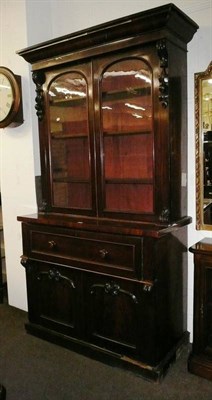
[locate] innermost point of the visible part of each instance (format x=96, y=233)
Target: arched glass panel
x=71, y=179
x=127, y=136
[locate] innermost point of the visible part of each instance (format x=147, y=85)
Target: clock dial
x=11, y=110
x=6, y=97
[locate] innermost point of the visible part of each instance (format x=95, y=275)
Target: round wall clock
x=11, y=111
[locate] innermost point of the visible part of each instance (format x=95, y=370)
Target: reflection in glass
x=207, y=147
x=207, y=105
x=126, y=97
x=128, y=136
x=71, y=185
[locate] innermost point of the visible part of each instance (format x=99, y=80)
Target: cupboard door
x=71, y=140
x=203, y=306
x=208, y=305
x=53, y=297
x=118, y=316
x=127, y=137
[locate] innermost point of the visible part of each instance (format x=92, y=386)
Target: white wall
x=17, y=166
x=19, y=161
x=41, y=20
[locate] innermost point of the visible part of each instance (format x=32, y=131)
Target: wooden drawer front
x=98, y=252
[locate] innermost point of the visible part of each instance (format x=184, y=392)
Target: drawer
x=106, y=253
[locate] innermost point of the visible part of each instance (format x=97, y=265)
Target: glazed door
x=71, y=158
x=130, y=155
x=105, y=158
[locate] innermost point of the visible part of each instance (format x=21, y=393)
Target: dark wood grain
x=104, y=256
x=200, y=360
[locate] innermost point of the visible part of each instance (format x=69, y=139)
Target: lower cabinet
x=106, y=311
x=131, y=312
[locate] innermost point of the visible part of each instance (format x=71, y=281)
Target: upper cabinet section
x=111, y=106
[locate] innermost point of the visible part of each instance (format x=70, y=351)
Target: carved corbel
x=24, y=261
x=163, y=78
x=43, y=207
x=164, y=216
x=39, y=79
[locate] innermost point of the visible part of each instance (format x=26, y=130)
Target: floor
x=33, y=369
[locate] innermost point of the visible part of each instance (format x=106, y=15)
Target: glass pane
x=128, y=157
x=206, y=105
x=71, y=179
x=128, y=136
x=129, y=198
x=206, y=129
x=126, y=97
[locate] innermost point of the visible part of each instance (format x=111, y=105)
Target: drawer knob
x=52, y=244
x=103, y=253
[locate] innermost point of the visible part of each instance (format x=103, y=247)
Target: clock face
x=6, y=97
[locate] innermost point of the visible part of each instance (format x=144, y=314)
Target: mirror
x=203, y=132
